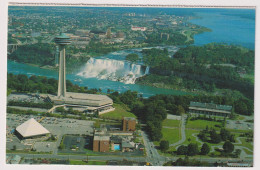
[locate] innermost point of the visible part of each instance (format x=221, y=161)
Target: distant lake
x=231, y=26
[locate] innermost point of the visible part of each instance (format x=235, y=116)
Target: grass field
x=169, y=134
x=201, y=124
x=248, y=151
x=119, y=112
x=80, y=162
x=245, y=144
x=239, y=117
x=189, y=133
x=171, y=123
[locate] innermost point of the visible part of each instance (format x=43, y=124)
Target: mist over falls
x=114, y=70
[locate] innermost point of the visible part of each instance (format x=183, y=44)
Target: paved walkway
x=183, y=135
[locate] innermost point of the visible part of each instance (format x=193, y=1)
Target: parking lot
x=242, y=125
x=57, y=126
x=24, y=98
x=76, y=143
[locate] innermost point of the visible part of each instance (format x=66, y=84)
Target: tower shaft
x=62, y=73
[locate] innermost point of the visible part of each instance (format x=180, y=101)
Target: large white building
x=90, y=103
x=31, y=129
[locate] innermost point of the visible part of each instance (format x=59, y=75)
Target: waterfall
x=115, y=70
x=146, y=70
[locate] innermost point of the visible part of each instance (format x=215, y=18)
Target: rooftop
x=101, y=138
x=211, y=106
x=128, y=144
x=83, y=99
x=129, y=118
x=31, y=128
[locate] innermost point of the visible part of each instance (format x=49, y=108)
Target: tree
x=182, y=150
x=205, y=149
x=132, y=57
x=180, y=110
x=60, y=109
x=228, y=147
x=215, y=138
x=14, y=147
x=53, y=137
x=224, y=134
x=237, y=153
x=62, y=146
x=192, y=149
x=164, y=145
x=241, y=107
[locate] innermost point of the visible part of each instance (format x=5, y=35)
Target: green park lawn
x=189, y=133
x=80, y=162
x=248, y=151
x=245, y=144
x=119, y=112
x=169, y=134
x=171, y=123
x=201, y=124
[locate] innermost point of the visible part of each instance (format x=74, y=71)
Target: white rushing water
x=115, y=70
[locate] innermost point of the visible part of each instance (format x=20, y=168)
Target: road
x=78, y=157
x=152, y=155
x=183, y=135
x=120, y=158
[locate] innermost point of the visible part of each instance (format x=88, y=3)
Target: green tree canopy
x=132, y=57
x=193, y=149
x=228, y=147
x=164, y=145
x=205, y=149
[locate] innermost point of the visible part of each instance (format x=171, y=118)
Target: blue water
x=116, y=147
x=231, y=26
x=146, y=91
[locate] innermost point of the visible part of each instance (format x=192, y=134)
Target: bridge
x=50, y=111
x=12, y=47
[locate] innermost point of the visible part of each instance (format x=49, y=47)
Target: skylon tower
x=62, y=40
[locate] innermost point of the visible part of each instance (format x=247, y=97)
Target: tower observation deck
x=62, y=40
x=89, y=103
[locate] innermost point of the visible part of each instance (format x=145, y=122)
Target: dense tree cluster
x=217, y=54
x=41, y=84
x=153, y=57
x=98, y=48
x=132, y=57
x=190, y=150
x=212, y=136
x=187, y=162
x=174, y=39
x=210, y=66
x=42, y=54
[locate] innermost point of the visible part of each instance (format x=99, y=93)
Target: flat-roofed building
x=128, y=146
x=209, y=109
x=128, y=124
x=91, y=102
x=101, y=143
